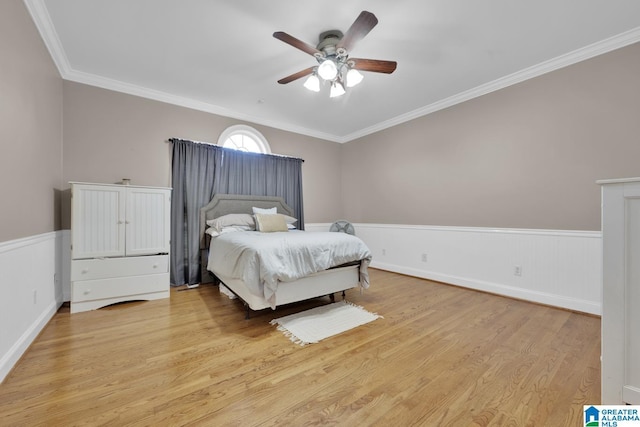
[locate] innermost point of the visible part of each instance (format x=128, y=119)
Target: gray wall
x=31, y=125
x=526, y=156
x=109, y=136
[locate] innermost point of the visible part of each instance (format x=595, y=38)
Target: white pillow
x=229, y=229
x=212, y=232
x=231, y=220
x=289, y=219
x=236, y=228
x=272, y=210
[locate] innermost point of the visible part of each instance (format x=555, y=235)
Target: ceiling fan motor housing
x=328, y=41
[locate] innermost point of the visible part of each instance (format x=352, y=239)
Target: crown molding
x=587, y=52
x=38, y=11
x=40, y=16
x=156, y=95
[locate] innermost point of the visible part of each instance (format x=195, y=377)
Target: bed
x=260, y=291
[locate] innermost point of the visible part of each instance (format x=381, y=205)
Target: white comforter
x=261, y=260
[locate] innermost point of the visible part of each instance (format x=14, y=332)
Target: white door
x=97, y=221
x=148, y=221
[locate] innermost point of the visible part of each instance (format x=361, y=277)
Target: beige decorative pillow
x=268, y=223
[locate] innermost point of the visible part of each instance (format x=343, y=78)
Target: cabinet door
x=97, y=221
x=631, y=390
x=621, y=294
x=148, y=221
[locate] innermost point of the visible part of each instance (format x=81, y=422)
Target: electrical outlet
x=517, y=270
x=424, y=257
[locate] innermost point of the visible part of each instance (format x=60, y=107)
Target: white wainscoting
x=559, y=268
x=31, y=290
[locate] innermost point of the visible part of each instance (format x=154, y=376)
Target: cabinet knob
x=87, y=291
x=85, y=270
x=155, y=265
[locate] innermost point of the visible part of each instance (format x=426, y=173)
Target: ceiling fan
x=332, y=53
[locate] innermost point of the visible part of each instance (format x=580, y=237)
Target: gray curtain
x=201, y=170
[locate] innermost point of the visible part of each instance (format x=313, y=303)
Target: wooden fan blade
x=360, y=28
x=374, y=65
x=296, y=76
x=298, y=44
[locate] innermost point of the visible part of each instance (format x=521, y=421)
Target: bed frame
x=316, y=285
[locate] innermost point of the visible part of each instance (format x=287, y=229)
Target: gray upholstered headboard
x=223, y=204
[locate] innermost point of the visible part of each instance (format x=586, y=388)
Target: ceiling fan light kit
x=336, y=90
x=353, y=77
x=313, y=83
x=328, y=70
x=332, y=55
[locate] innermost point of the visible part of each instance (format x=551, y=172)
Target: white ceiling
x=219, y=55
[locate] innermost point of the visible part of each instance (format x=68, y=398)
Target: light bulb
x=313, y=83
x=336, y=90
x=328, y=70
x=354, y=77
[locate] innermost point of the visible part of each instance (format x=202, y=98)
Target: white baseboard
x=30, y=292
x=557, y=267
x=556, y=300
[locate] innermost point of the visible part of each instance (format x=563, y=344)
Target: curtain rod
x=170, y=140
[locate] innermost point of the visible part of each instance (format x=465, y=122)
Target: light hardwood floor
x=442, y=356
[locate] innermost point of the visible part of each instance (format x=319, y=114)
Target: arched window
x=244, y=138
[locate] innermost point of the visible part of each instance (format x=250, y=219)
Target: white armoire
x=621, y=291
x=120, y=236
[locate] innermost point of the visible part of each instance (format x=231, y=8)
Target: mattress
x=263, y=260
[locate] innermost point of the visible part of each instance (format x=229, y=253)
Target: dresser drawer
x=104, y=268
x=134, y=287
